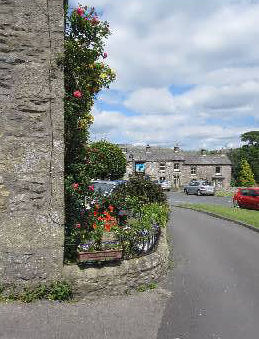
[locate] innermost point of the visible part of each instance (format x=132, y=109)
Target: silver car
x=165, y=185
x=199, y=187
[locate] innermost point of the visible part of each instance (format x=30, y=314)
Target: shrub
x=145, y=191
x=105, y=160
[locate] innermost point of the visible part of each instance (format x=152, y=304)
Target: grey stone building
x=177, y=166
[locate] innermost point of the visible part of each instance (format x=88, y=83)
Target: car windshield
x=103, y=187
x=206, y=183
x=255, y=193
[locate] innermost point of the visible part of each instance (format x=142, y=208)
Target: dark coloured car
x=247, y=198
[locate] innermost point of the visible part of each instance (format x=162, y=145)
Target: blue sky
x=187, y=72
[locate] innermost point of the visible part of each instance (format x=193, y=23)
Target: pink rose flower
x=105, y=55
x=80, y=11
x=75, y=186
x=77, y=94
x=91, y=188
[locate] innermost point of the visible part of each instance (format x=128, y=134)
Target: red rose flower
x=77, y=94
x=80, y=11
x=111, y=208
x=75, y=186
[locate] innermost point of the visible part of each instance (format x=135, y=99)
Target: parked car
x=247, y=198
x=199, y=187
x=106, y=187
x=165, y=185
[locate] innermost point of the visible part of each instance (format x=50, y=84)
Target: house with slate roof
x=177, y=166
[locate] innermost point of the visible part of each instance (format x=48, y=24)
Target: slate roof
x=155, y=153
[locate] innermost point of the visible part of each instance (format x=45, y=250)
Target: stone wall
x=31, y=141
x=120, y=278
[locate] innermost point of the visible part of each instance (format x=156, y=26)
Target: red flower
x=75, y=186
x=91, y=188
x=94, y=226
x=80, y=11
x=95, y=213
x=107, y=227
x=77, y=94
x=78, y=225
x=111, y=208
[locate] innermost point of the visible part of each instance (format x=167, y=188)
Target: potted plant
x=103, y=245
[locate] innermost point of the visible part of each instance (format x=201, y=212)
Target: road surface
x=179, y=197
x=215, y=281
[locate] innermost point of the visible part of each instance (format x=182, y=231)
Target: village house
x=177, y=166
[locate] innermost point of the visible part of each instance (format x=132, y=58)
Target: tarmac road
x=215, y=281
x=180, y=197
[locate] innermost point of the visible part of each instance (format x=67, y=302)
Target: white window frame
x=178, y=165
x=162, y=166
x=193, y=170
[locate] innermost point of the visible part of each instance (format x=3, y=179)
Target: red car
x=247, y=198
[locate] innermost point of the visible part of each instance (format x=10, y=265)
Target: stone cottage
x=177, y=166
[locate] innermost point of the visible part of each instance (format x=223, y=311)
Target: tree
x=251, y=137
x=245, y=177
x=250, y=152
x=105, y=160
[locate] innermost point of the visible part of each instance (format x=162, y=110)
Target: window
x=218, y=170
x=176, y=166
x=193, y=170
x=162, y=166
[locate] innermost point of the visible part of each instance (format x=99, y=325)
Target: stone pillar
x=31, y=141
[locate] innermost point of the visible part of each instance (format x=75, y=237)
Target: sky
x=187, y=72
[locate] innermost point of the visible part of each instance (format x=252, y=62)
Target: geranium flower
x=80, y=11
x=95, y=213
x=77, y=94
x=107, y=227
x=94, y=226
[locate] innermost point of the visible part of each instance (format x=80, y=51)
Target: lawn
x=250, y=217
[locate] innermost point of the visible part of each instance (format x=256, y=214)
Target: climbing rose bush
x=85, y=74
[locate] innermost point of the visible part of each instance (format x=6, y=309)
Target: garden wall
x=120, y=278
x=31, y=141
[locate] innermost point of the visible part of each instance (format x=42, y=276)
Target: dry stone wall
x=31, y=141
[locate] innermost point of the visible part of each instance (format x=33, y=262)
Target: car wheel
x=235, y=203
x=198, y=192
x=186, y=192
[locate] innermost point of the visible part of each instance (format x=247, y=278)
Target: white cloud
x=213, y=45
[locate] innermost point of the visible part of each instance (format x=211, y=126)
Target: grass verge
x=224, y=194
x=250, y=217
